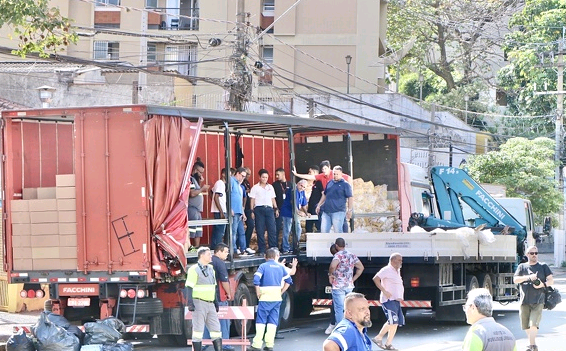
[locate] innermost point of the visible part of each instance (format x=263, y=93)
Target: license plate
x=78, y=302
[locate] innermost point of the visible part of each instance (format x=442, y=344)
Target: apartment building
x=307, y=45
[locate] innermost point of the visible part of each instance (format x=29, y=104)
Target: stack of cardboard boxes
x=44, y=227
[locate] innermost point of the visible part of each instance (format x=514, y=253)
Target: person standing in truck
x=196, y=202
x=316, y=193
x=336, y=203
x=532, y=278
x=201, y=295
x=485, y=334
x=218, y=209
x=271, y=280
x=388, y=280
x=265, y=211
x=280, y=185
x=250, y=223
x=287, y=213
x=341, y=276
x=236, y=201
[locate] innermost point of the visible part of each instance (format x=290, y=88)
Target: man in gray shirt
x=485, y=334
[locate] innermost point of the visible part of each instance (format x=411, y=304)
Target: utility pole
x=142, y=76
x=240, y=86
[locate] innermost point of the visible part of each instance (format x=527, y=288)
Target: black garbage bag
x=118, y=347
x=73, y=329
x=51, y=337
x=20, y=342
x=58, y=320
x=100, y=333
x=115, y=323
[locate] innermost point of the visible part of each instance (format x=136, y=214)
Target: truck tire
x=302, y=305
x=471, y=282
x=286, y=310
x=486, y=282
x=144, y=308
x=242, y=292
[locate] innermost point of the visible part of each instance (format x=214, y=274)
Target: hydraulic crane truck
x=439, y=268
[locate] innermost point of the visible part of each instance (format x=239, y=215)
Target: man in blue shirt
x=351, y=333
x=237, y=204
x=288, y=215
x=338, y=192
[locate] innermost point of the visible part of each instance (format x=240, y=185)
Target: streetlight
x=45, y=95
x=466, y=99
x=348, y=61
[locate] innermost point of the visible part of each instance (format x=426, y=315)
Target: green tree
x=456, y=41
x=41, y=29
x=538, y=30
x=526, y=167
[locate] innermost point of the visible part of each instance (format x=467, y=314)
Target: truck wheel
x=471, y=283
x=286, y=310
x=242, y=292
x=485, y=282
x=302, y=305
x=144, y=308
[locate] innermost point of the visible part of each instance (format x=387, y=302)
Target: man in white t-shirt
x=218, y=209
x=389, y=281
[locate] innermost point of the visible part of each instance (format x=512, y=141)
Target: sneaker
x=238, y=252
x=244, y=253
x=250, y=251
x=192, y=249
x=329, y=329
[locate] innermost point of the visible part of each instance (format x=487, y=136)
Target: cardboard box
x=29, y=193
x=67, y=216
x=42, y=205
x=45, y=241
x=22, y=252
x=65, y=180
x=21, y=217
x=21, y=241
x=21, y=229
x=23, y=264
x=66, y=192
x=66, y=204
x=68, y=240
x=44, y=217
x=68, y=229
x=45, y=252
x=44, y=229
x=43, y=264
x=67, y=252
x=46, y=193
x=68, y=263
x=19, y=205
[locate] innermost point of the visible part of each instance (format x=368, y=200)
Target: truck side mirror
x=547, y=226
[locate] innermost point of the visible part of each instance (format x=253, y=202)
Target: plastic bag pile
x=53, y=332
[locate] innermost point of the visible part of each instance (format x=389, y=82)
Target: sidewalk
x=9, y=320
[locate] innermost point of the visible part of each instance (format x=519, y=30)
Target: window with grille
x=267, y=55
x=107, y=2
x=105, y=50
x=268, y=6
x=181, y=58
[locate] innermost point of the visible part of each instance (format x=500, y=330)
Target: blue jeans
x=250, y=225
x=224, y=325
x=334, y=219
x=217, y=232
x=265, y=219
x=238, y=235
x=338, y=296
x=287, y=223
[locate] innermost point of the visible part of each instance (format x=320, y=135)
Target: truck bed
x=425, y=247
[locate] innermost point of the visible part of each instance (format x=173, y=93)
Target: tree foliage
x=40, y=29
x=526, y=167
x=457, y=41
x=531, y=48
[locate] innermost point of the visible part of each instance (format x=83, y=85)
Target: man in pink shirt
x=389, y=281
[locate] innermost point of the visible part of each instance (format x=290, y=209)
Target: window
x=267, y=55
x=107, y=2
x=104, y=50
x=181, y=58
x=150, y=4
x=151, y=52
x=269, y=7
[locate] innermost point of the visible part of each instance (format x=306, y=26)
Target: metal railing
x=178, y=18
